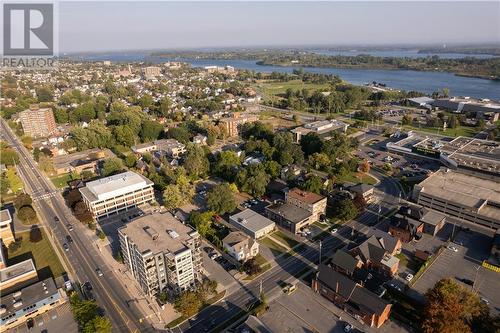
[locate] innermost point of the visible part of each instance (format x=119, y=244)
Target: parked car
x=70, y=226
x=69, y=239
x=289, y=288
x=56, y=219
x=66, y=247
x=452, y=248
x=99, y=272
x=467, y=281
x=408, y=277
x=334, y=231
x=485, y=301
x=347, y=327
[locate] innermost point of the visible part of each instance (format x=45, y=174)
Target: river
x=426, y=82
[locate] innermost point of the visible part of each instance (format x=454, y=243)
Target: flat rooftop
x=305, y=196
x=112, y=186
x=17, y=270
x=251, y=220
x=158, y=232
x=28, y=296
x=474, y=153
x=64, y=161
x=5, y=216
x=289, y=212
x=461, y=188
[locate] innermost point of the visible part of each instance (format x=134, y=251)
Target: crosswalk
x=44, y=196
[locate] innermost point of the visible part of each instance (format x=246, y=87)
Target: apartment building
x=37, y=122
x=162, y=253
x=467, y=197
x=113, y=194
x=151, y=71
x=232, y=123
x=312, y=202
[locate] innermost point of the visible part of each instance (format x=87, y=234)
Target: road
x=83, y=256
x=305, y=258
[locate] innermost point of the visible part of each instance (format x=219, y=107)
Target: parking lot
x=56, y=320
x=464, y=266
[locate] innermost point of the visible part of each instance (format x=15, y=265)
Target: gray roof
x=14, y=271
x=29, y=295
x=158, y=232
x=5, y=216
x=361, y=188
x=290, y=212
x=250, y=220
x=344, y=260
x=433, y=217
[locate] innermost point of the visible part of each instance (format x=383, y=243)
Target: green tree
x=172, y=197
x=450, y=308
x=61, y=115
x=165, y=107
x=111, y=166
x=44, y=94
x=273, y=168
x=130, y=160
x=124, y=135
x=181, y=134
x=313, y=184
x=345, y=210
x=196, y=163
x=26, y=214
x=8, y=156
x=221, y=199
x=227, y=164
x=21, y=200
x=150, y=130
x=202, y=222
x=98, y=324
x=188, y=303
x=253, y=180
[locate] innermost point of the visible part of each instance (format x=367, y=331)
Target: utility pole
x=320, y=247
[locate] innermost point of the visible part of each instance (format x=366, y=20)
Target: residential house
x=351, y=297
x=240, y=246
x=378, y=253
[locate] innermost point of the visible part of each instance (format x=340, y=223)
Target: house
x=351, y=297
x=200, y=139
x=378, y=253
x=312, y=202
x=363, y=190
x=344, y=263
x=405, y=228
x=240, y=246
x=87, y=160
x=252, y=223
x=413, y=220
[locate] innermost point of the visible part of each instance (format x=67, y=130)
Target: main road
x=83, y=256
x=288, y=267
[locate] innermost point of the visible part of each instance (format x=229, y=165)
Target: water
x=401, y=54
x=426, y=82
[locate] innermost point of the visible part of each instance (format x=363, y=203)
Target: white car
x=409, y=276
x=334, y=231
x=347, y=327
x=452, y=248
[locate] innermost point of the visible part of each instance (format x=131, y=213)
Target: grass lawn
x=358, y=177
x=275, y=247
x=61, y=181
x=42, y=253
x=269, y=88
x=285, y=239
x=403, y=260
x=468, y=131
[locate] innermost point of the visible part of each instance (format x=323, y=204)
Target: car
x=334, y=231
x=467, y=281
x=347, y=327
x=213, y=255
x=66, y=247
x=69, y=239
x=69, y=226
x=485, y=301
x=289, y=288
x=452, y=248
x=408, y=277
x=30, y=323
x=56, y=219
x=99, y=272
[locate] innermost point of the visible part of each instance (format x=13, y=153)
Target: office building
x=162, y=253
x=17, y=276
x=252, y=223
x=38, y=122
x=6, y=234
x=289, y=217
x=113, y=194
x=460, y=195
x=312, y=202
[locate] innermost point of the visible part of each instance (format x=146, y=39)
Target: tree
x=253, y=180
x=365, y=166
x=196, y=162
x=450, y=308
x=251, y=267
x=188, y=303
x=172, y=197
x=319, y=161
x=22, y=200
x=311, y=143
x=124, y=135
x=345, y=210
x=130, y=160
x=165, y=107
x=202, y=222
x=111, y=166
x=273, y=168
x=14, y=182
x=226, y=165
x=150, y=130
x=35, y=234
x=221, y=199
x=313, y=184
x=8, y=156
x=44, y=94
x=407, y=120
x=480, y=124
x=26, y=214
x=98, y=325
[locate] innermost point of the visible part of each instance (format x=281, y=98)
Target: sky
x=138, y=25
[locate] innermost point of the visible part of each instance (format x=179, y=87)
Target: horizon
x=170, y=26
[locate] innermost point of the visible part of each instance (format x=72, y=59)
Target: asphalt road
x=83, y=256
x=223, y=312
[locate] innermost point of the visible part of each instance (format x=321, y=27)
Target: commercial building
x=232, y=124
x=323, y=128
x=252, y=223
x=33, y=300
x=113, y=194
x=170, y=147
x=312, y=202
x=461, y=195
x=87, y=160
x=364, y=190
x=240, y=246
x=38, y=122
x=351, y=297
x=469, y=105
x=162, y=253
x=289, y=217
x=6, y=233
x=17, y=276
